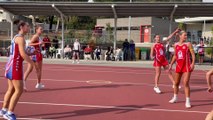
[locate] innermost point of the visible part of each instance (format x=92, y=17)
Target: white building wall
x=208, y=33
x=124, y=22
x=194, y=28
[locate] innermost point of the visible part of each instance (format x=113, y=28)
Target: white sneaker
x=173, y=100
x=39, y=86
x=188, y=104
x=78, y=62
x=157, y=90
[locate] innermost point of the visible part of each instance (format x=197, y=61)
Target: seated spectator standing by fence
x=67, y=52
x=167, y=53
x=46, y=45
x=112, y=53
x=194, y=45
x=87, y=53
x=118, y=54
x=108, y=54
x=52, y=51
x=132, y=50
x=55, y=42
x=125, y=49
x=98, y=52
x=201, y=50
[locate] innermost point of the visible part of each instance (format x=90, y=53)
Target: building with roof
x=198, y=27
x=143, y=29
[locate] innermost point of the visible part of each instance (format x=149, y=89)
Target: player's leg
x=26, y=74
x=157, y=77
x=186, y=80
x=38, y=67
x=7, y=98
x=171, y=77
x=176, y=87
x=208, y=78
x=18, y=86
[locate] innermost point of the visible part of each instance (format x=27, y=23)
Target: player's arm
x=33, y=40
x=192, y=54
x=152, y=52
x=21, y=44
x=171, y=35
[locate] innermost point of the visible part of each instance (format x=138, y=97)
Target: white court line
x=112, y=69
x=113, y=107
x=116, y=72
x=119, y=83
x=29, y=119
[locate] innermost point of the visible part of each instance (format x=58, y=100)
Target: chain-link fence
x=103, y=39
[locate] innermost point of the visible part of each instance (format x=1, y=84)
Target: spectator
x=76, y=51
x=201, y=50
x=67, y=52
x=47, y=45
x=125, y=49
x=167, y=52
x=112, y=53
x=194, y=45
x=55, y=42
x=171, y=50
x=132, y=50
x=98, y=52
x=108, y=54
x=87, y=53
x=118, y=54
x=52, y=51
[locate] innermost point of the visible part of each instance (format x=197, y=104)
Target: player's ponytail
x=19, y=24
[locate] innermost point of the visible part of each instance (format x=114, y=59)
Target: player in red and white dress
x=158, y=54
x=14, y=71
x=36, y=42
x=184, y=66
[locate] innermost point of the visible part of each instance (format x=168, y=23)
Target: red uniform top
x=46, y=45
x=88, y=50
x=160, y=58
x=38, y=56
x=14, y=66
x=183, y=61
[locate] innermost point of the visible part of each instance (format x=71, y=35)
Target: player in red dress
x=184, y=66
x=36, y=42
x=158, y=54
x=14, y=71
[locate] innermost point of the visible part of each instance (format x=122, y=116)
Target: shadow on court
x=81, y=87
x=85, y=112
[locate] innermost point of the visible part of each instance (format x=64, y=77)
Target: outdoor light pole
x=62, y=24
x=129, y=28
x=115, y=27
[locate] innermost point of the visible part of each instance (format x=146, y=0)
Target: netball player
x=184, y=66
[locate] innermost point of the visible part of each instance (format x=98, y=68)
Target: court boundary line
x=113, y=107
x=122, y=72
x=115, y=83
